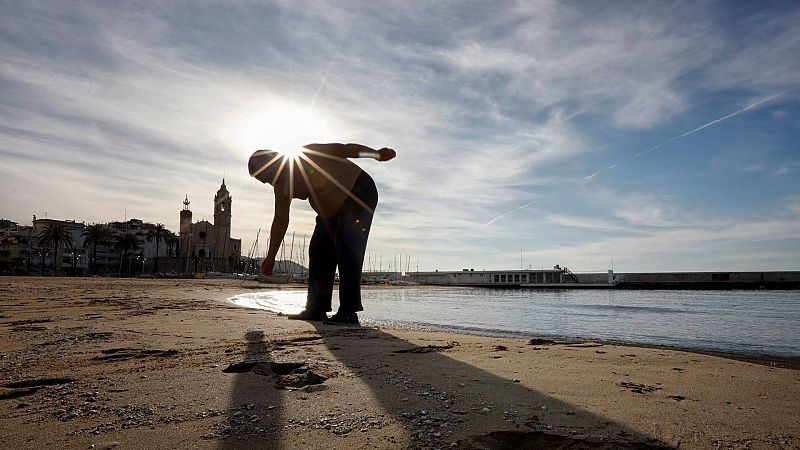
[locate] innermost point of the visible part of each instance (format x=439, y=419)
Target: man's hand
x=267, y=266
x=386, y=154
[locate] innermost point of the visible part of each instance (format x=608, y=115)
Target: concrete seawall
x=699, y=280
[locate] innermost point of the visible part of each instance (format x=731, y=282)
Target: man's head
x=269, y=166
x=264, y=165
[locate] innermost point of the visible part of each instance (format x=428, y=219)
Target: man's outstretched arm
x=278, y=230
x=353, y=151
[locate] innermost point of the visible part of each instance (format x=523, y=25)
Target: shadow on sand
x=255, y=406
x=438, y=400
x=458, y=395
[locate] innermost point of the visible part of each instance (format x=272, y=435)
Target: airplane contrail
x=589, y=177
x=701, y=127
x=712, y=123
x=511, y=212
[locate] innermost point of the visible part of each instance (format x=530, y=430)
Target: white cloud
x=138, y=106
x=681, y=249
x=590, y=223
x=629, y=60
x=786, y=168
x=763, y=60
x=794, y=206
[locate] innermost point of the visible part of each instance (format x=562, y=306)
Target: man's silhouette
x=344, y=197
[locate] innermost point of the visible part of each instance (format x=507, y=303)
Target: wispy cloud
x=718, y=248
x=493, y=108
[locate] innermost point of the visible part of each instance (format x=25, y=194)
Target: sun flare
x=292, y=152
x=283, y=127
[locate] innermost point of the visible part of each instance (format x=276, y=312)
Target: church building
x=211, y=243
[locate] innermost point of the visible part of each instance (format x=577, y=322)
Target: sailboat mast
x=303, y=256
x=291, y=255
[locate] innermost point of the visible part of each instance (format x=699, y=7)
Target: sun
x=283, y=127
x=293, y=151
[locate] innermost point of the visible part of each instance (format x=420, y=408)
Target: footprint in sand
x=286, y=374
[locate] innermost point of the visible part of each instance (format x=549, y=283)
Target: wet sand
x=105, y=363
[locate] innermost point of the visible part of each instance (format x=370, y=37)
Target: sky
x=654, y=136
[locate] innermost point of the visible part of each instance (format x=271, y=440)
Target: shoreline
x=779, y=361
x=768, y=359
x=155, y=363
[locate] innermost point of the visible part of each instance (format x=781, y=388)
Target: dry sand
x=102, y=363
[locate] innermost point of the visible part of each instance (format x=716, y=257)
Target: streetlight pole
x=188, y=250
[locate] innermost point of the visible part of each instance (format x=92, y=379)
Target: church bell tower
x=186, y=218
x=222, y=211
x=185, y=229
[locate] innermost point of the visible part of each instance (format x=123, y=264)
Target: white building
x=71, y=260
x=557, y=277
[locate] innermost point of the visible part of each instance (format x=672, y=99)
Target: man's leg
x=321, y=267
x=351, y=244
x=353, y=225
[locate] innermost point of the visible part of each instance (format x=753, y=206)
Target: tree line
x=99, y=234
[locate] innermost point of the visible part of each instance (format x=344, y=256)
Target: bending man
x=344, y=198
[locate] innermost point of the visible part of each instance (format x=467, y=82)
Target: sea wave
x=635, y=309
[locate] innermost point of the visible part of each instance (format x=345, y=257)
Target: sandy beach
x=125, y=363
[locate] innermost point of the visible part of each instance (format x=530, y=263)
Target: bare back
x=330, y=179
x=325, y=180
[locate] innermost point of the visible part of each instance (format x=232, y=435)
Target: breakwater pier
x=562, y=278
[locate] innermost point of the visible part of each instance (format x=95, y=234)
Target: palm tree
x=126, y=243
x=159, y=233
x=96, y=234
x=172, y=239
x=58, y=235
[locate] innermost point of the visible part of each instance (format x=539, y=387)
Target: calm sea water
x=745, y=322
